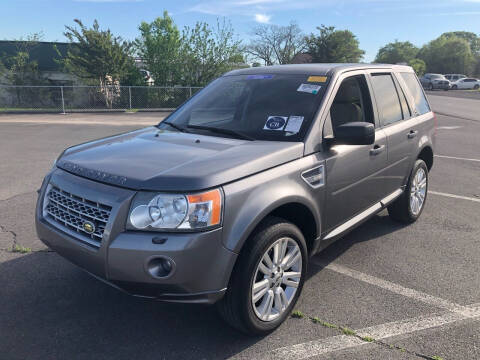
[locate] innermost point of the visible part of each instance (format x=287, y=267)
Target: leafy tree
x=159, y=47
x=99, y=57
x=19, y=68
x=471, y=37
x=397, y=52
x=418, y=65
x=448, y=54
x=207, y=53
x=334, y=46
x=275, y=44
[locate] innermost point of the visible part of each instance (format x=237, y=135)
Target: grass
x=348, y=331
x=435, y=357
x=20, y=249
x=368, y=339
x=297, y=314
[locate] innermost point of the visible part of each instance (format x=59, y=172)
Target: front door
x=353, y=172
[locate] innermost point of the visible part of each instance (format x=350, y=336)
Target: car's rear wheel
x=267, y=279
x=476, y=87
x=408, y=207
x=430, y=87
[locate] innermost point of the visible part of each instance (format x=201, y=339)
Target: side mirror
x=355, y=133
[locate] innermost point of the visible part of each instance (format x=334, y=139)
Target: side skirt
x=358, y=219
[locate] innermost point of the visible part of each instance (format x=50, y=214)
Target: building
x=46, y=55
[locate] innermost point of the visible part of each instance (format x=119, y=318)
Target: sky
x=374, y=22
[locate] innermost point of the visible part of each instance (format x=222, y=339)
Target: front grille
x=77, y=213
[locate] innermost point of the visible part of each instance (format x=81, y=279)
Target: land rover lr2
x=227, y=199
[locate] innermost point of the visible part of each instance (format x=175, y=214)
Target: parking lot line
x=397, y=289
x=377, y=332
x=457, y=158
x=453, y=196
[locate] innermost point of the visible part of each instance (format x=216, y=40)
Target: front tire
x=267, y=279
x=409, y=206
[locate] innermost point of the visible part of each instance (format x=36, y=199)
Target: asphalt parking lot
x=385, y=291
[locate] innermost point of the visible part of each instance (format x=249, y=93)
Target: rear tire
x=409, y=206
x=430, y=87
x=237, y=307
x=476, y=87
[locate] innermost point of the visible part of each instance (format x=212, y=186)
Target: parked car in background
x=435, y=81
x=454, y=77
x=467, y=83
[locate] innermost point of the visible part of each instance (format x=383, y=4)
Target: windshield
x=437, y=76
x=255, y=107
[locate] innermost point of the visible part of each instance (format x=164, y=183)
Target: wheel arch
x=426, y=154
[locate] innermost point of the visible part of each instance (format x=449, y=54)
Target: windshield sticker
x=309, y=88
x=259, y=77
x=294, y=124
x=320, y=79
x=275, y=123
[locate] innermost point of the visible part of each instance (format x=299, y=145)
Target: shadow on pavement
x=52, y=310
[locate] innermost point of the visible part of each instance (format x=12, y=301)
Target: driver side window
x=352, y=103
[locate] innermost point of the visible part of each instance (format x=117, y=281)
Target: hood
x=159, y=160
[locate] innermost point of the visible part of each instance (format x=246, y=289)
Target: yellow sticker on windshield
x=320, y=79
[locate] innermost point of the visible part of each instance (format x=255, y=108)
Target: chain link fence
x=92, y=98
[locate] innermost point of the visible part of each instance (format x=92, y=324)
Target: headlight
x=175, y=211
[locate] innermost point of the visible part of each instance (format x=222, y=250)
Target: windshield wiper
x=222, y=131
x=175, y=126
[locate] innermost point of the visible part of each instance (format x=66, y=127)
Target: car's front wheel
x=267, y=279
x=430, y=87
x=476, y=87
x=408, y=207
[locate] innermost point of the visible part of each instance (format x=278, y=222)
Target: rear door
x=398, y=121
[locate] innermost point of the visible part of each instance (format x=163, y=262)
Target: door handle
x=412, y=134
x=377, y=149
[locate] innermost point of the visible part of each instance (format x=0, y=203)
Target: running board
x=364, y=215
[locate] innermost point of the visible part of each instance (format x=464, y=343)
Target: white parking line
x=378, y=332
x=453, y=196
x=448, y=127
x=397, y=289
x=457, y=158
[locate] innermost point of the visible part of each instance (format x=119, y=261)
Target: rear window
x=387, y=98
x=416, y=91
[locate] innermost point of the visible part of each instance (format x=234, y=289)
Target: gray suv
x=227, y=199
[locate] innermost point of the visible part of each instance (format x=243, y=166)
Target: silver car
x=227, y=199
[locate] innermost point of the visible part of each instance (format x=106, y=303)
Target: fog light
x=160, y=267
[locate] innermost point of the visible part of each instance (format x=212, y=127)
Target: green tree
x=418, y=66
x=448, y=54
x=98, y=57
x=334, y=46
x=207, y=53
x=397, y=52
x=159, y=47
x=472, y=38
x=274, y=44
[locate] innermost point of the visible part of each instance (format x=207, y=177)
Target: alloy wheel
x=276, y=279
x=418, y=189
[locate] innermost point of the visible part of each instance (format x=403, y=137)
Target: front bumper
x=202, y=265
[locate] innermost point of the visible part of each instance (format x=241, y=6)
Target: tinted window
x=416, y=91
x=387, y=98
x=264, y=107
